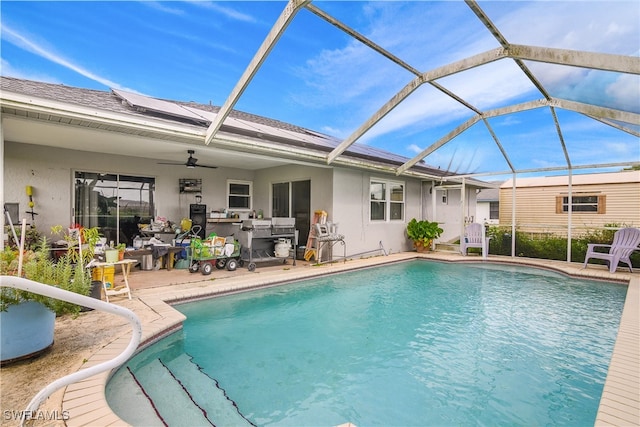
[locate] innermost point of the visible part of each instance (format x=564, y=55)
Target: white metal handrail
x=61, y=294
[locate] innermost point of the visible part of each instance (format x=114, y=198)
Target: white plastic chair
x=474, y=238
x=625, y=241
x=325, y=237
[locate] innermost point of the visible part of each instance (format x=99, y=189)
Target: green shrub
x=551, y=247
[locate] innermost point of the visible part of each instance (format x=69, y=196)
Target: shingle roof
x=109, y=101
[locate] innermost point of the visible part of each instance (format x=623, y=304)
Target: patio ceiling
x=548, y=73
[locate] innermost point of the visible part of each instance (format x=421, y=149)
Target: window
x=114, y=203
x=387, y=200
x=583, y=203
x=239, y=195
x=494, y=210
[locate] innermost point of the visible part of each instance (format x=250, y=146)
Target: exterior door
x=293, y=200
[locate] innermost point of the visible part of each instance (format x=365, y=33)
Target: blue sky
x=319, y=78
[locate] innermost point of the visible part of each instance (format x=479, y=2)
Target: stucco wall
x=320, y=178
x=483, y=211
x=351, y=212
x=50, y=172
x=449, y=213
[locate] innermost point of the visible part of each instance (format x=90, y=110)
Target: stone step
x=170, y=399
x=448, y=247
x=128, y=400
x=205, y=391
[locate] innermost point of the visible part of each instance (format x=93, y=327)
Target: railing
x=61, y=294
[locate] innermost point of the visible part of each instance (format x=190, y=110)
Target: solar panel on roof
x=157, y=105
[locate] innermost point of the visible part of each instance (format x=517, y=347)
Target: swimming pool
x=417, y=343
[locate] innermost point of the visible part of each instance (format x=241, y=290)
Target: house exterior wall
x=536, y=202
x=50, y=172
x=483, y=205
x=351, y=210
x=320, y=178
x=449, y=211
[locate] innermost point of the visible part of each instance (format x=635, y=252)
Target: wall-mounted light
x=198, y=199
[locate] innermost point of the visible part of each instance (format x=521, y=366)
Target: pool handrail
x=61, y=294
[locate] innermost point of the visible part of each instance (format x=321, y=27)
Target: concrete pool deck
x=153, y=292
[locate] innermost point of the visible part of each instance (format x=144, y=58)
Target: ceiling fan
x=191, y=162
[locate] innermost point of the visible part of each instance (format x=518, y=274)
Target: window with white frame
x=494, y=210
x=386, y=200
x=239, y=195
x=582, y=203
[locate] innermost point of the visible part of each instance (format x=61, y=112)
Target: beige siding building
x=598, y=199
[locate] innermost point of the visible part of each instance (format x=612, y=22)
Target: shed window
x=592, y=203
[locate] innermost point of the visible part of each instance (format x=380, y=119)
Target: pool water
x=413, y=344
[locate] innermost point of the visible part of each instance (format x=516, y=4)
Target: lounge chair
x=474, y=238
x=625, y=241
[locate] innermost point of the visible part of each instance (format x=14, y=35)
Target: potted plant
x=28, y=319
x=422, y=233
x=121, y=248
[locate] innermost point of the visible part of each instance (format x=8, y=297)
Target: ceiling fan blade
x=192, y=162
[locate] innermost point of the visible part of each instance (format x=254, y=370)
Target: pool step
x=206, y=393
x=127, y=399
x=171, y=401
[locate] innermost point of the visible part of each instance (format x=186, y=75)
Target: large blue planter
x=26, y=330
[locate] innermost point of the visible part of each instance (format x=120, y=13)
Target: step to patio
x=448, y=247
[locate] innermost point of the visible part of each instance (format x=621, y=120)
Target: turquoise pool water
x=412, y=344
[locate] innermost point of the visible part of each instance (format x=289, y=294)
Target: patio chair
x=474, y=238
x=625, y=241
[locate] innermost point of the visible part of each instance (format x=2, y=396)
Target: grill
x=269, y=227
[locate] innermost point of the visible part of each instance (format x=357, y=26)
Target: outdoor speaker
x=198, y=216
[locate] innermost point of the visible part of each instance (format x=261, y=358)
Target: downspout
x=513, y=217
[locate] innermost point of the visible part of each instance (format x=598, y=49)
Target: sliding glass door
x=114, y=203
x=293, y=199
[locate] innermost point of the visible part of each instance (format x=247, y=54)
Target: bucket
x=184, y=244
x=146, y=262
x=185, y=224
x=111, y=255
x=181, y=264
x=109, y=272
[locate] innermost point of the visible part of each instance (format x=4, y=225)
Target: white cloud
x=48, y=53
x=162, y=7
x=226, y=11
x=593, y=26
x=414, y=148
x=625, y=91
